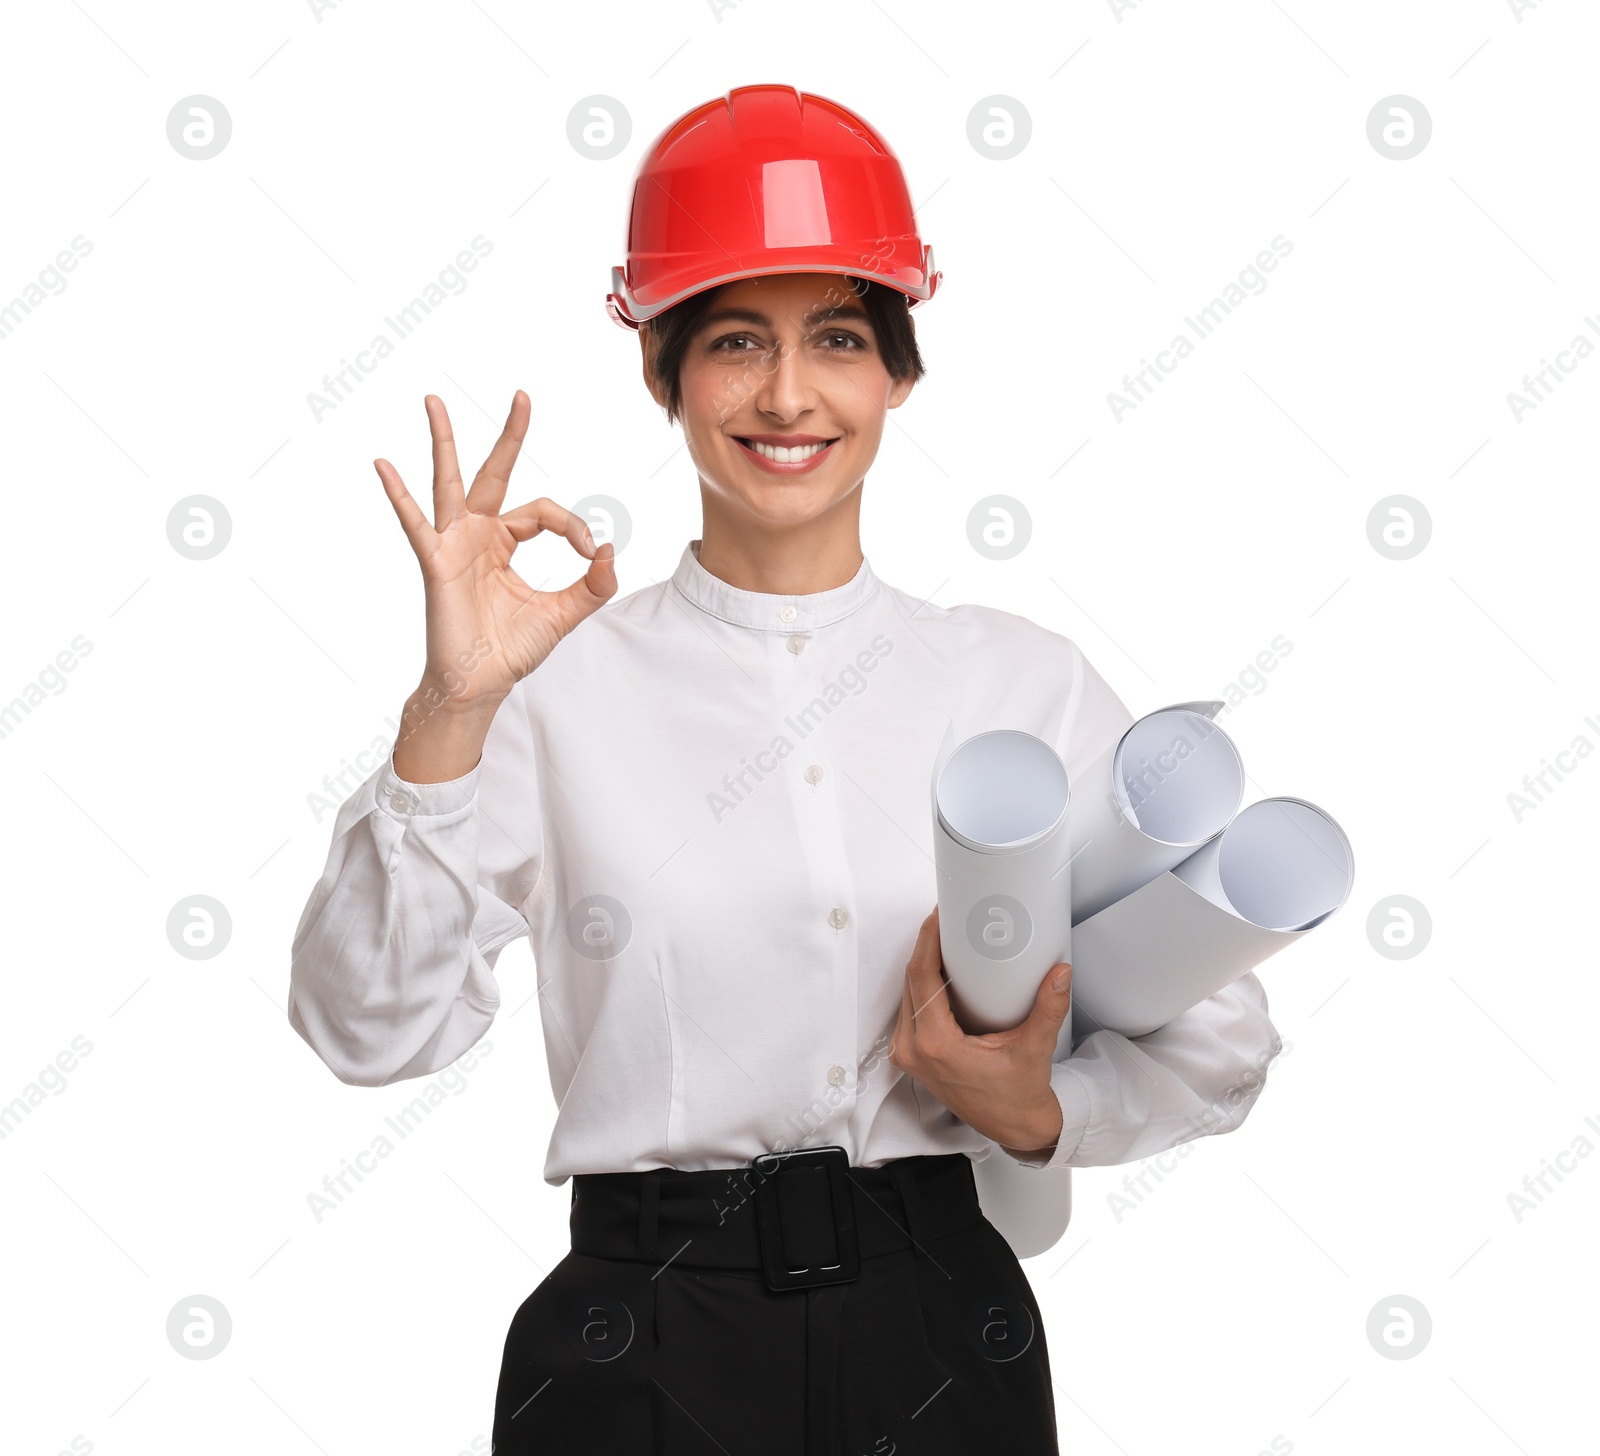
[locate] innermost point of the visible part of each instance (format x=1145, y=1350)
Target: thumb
x=1054, y=1000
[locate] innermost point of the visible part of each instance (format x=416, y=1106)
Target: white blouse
x=708, y=809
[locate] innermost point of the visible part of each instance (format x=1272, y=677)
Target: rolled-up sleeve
x=392, y=964
x=1125, y=1098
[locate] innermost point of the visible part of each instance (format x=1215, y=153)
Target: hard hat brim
x=919, y=285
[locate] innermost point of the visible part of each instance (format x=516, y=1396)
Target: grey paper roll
x=1279, y=869
x=1000, y=809
x=1030, y=1206
x=1000, y=850
x=1169, y=784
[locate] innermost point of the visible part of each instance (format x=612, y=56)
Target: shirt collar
x=769, y=611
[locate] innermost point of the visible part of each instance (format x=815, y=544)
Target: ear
x=899, y=391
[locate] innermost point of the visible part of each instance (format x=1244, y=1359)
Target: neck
x=782, y=559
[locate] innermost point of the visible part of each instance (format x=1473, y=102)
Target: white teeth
x=786, y=454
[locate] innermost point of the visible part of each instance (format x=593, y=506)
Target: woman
x=707, y=807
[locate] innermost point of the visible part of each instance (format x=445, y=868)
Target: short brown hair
x=888, y=308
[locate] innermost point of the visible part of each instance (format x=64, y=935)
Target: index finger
x=525, y=522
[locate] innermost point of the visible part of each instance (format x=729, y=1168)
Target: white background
x=1170, y=144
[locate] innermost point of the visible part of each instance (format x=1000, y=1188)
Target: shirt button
x=797, y=643
x=838, y=919
x=836, y=1074
x=399, y=803
x=814, y=773
x=788, y=613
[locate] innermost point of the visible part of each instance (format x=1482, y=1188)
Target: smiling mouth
x=786, y=454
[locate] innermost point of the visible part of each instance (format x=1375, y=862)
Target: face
x=784, y=395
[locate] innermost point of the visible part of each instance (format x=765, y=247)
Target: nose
x=787, y=385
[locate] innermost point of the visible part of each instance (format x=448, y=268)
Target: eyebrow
x=752, y=316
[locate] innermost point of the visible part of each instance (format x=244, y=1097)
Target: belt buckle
x=845, y=1265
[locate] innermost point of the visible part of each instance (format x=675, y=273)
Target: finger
x=488, y=491
x=448, y=498
x=525, y=522
x=930, y=998
x=589, y=592
x=424, y=540
x=595, y=587
x=586, y=595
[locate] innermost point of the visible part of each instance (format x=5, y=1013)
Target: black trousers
x=659, y=1334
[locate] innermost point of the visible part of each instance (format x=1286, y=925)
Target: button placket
x=837, y=1026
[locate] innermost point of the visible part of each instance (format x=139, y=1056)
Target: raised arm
x=391, y=971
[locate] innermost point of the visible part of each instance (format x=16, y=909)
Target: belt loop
x=649, y=1201
x=911, y=1199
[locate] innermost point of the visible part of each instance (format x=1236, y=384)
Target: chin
x=784, y=506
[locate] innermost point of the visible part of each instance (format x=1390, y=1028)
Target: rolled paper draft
x=1001, y=855
x=1003, y=868
x=1281, y=868
x=1030, y=1206
x=1169, y=784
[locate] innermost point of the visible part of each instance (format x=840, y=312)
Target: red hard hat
x=766, y=179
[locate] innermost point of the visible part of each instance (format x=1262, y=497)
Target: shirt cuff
x=407, y=800
x=1072, y=1092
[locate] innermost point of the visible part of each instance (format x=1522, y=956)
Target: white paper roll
x=1004, y=891
x=1279, y=869
x=1030, y=1206
x=1169, y=784
x=1002, y=858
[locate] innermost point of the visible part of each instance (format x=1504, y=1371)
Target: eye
x=854, y=344
x=733, y=339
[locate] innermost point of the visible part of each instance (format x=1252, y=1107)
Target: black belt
x=804, y=1219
